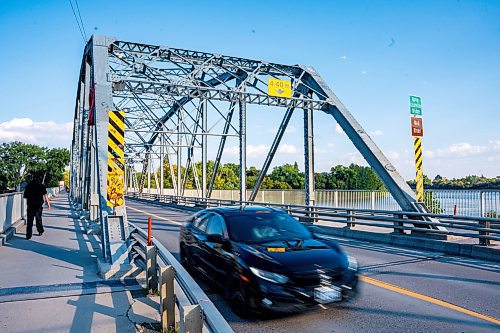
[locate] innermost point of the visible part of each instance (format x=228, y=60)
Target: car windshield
x=259, y=227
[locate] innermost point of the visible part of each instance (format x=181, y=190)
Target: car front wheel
x=238, y=299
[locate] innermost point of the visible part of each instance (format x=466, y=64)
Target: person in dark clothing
x=34, y=193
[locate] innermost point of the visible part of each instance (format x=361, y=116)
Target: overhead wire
x=81, y=21
x=77, y=22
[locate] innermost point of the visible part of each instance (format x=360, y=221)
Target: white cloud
x=376, y=133
x=331, y=145
x=320, y=150
x=354, y=157
x=287, y=149
x=495, y=144
x=461, y=149
x=289, y=129
x=343, y=57
x=256, y=151
x=392, y=155
x=44, y=133
x=339, y=129
x=363, y=72
x=429, y=153
x=252, y=150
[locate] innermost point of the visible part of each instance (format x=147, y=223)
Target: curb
x=11, y=231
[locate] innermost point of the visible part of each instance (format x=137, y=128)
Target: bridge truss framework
x=174, y=101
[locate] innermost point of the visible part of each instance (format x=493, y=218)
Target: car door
x=217, y=254
x=196, y=239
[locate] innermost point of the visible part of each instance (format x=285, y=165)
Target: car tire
x=237, y=298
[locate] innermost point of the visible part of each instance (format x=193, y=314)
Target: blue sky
x=372, y=53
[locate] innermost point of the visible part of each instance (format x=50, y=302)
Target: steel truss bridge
x=170, y=102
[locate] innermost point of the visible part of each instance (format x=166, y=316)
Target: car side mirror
x=215, y=239
x=313, y=229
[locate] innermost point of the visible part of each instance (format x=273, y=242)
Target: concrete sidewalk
x=50, y=283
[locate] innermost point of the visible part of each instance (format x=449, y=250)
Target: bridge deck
x=50, y=283
x=403, y=290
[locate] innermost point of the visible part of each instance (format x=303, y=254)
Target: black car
x=265, y=260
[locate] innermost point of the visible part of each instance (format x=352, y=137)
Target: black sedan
x=265, y=260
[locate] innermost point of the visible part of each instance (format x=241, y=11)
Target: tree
x=20, y=161
x=342, y=177
x=321, y=181
x=56, y=160
x=290, y=174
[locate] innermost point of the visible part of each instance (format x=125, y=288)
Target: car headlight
x=352, y=263
x=269, y=276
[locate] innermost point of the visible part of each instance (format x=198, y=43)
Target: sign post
x=417, y=131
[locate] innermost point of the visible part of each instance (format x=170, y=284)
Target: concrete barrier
x=12, y=209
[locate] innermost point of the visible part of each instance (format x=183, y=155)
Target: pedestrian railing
x=480, y=203
x=484, y=229
x=165, y=275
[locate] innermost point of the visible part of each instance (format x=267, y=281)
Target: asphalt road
x=402, y=290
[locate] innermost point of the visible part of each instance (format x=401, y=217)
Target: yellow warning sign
x=116, y=158
x=279, y=88
x=419, y=178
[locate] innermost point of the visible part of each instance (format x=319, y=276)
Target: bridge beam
x=114, y=231
x=399, y=189
x=310, y=198
x=243, y=149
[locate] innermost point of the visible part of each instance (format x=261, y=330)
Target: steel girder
x=175, y=99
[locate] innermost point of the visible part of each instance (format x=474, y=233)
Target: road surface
x=401, y=290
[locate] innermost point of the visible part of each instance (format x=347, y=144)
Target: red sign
x=91, y=106
x=417, y=128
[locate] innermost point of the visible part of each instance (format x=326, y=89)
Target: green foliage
x=492, y=214
x=353, y=177
x=289, y=174
x=283, y=177
x=432, y=203
x=468, y=182
x=56, y=160
x=20, y=161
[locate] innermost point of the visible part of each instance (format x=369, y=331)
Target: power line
x=81, y=21
x=78, y=23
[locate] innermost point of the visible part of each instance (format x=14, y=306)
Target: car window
x=264, y=227
x=215, y=225
x=200, y=222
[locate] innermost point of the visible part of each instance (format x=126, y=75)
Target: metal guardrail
x=484, y=229
x=176, y=287
x=480, y=203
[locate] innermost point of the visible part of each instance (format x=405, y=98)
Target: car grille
x=313, y=278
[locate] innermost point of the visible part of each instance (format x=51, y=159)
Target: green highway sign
x=415, y=105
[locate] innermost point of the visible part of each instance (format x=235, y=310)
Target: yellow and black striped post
x=419, y=179
x=116, y=158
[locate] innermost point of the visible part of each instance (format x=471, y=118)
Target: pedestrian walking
x=34, y=193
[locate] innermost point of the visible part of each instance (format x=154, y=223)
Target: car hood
x=296, y=255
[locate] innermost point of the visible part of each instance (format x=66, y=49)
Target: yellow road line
x=154, y=215
x=429, y=299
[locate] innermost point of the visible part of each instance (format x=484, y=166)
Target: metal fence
x=482, y=229
x=176, y=288
x=480, y=203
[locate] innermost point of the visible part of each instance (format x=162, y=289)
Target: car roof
x=232, y=210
